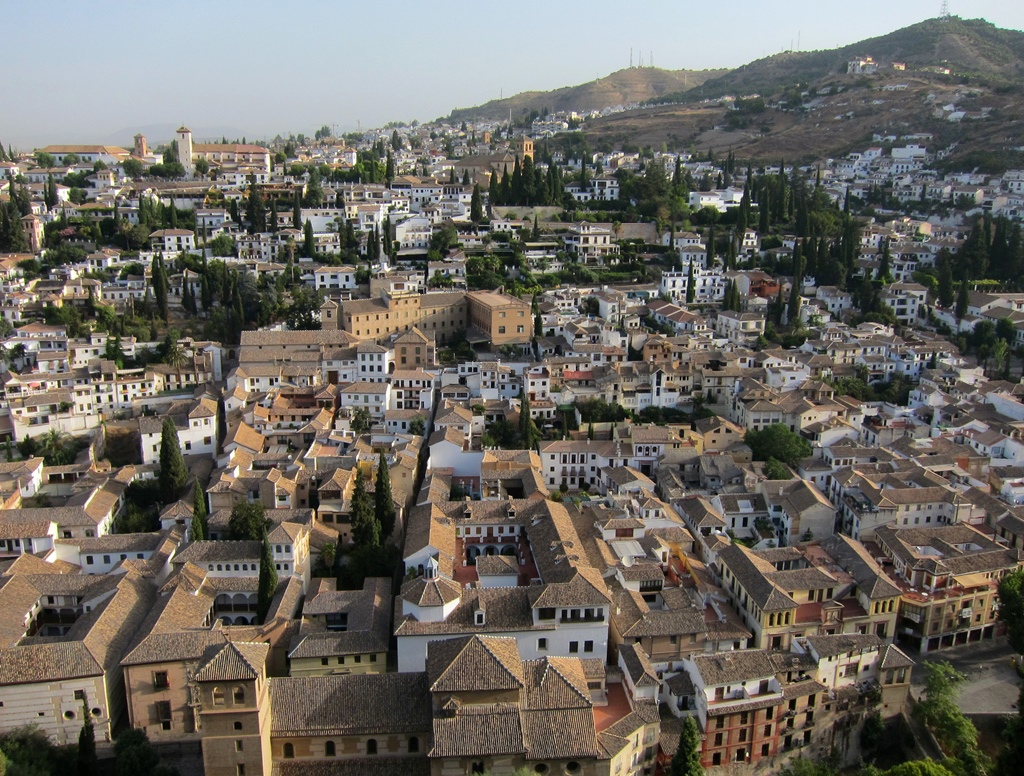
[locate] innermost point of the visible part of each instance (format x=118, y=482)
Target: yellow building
x=441, y=314
x=343, y=631
x=501, y=319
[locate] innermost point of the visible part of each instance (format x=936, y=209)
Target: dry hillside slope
x=638, y=84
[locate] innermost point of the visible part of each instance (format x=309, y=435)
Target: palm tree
x=57, y=447
x=175, y=357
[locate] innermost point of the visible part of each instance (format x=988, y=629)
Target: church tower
x=185, y=149
x=235, y=710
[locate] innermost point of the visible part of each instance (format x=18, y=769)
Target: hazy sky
x=97, y=72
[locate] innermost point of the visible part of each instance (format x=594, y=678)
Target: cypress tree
x=200, y=530
x=962, y=301
x=267, y=584
x=308, y=244
x=87, y=764
x=494, y=190
x=691, y=290
x=365, y=527
x=50, y=197
x=794, y=294
x=763, y=208
x=172, y=465
x=205, y=294
x=686, y=760
x=476, y=206
x=188, y=299
x=297, y=212
x=383, y=499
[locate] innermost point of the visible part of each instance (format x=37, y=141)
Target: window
x=718, y=739
x=588, y=646
x=238, y=745
x=79, y=695
x=574, y=647
x=238, y=726
x=240, y=770
x=414, y=744
x=289, y=751
x=238, y=695
x=218, y=696
x=501, y=330
x=371, y=746
x=329, y=750
x=542, y=643
x=160, y=680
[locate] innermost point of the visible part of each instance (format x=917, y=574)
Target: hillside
x=843, y=112
x=968, y=47
x=620, y=88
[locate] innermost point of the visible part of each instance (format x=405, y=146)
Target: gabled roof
x=474, y=664
x=231, y=662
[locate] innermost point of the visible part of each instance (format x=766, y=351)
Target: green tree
x=417, y=426
x=777, y=441
x=686, y=760
x=172, y=464
x=158, y=279
x=920, y=768
x=50, y=194
x=308, y=242
x=528, y=433
x=962, y=301
x=248, y=521
x=132, y=168
x=476, y=206
x=940, y=711
x=1011, y=608
x=691, y=285
x=361, y=421
x=255, y=209
x=365, y=526
x=134, y=754
x=58, y=448
x=86, y=743
x=1012, y=756
x=267, y=583
x=113, y=351
x=774, y=469
x=383, y=499
x=200, y=530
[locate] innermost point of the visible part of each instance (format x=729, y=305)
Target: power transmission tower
x=944, y=11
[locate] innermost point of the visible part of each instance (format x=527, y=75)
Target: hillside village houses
x=560, y=606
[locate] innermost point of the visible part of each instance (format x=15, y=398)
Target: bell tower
x=185, y=148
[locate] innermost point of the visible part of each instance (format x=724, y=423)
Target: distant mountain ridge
x=637, y=84
x=969, y=47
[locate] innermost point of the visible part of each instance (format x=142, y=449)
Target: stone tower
x=140, y=151
x=185, y=149
x=235, y=710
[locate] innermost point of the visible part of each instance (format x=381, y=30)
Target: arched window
x=329, y=749
x=218, y=696
x=289, y=751
x=238, y=725
x=238, y=695
x=414, y=744
x=371, y=746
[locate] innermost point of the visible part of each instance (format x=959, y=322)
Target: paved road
x=992, y=683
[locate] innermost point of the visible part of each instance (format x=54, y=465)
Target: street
x=992, y=684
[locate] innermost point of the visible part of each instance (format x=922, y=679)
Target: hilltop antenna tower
x=944, y=11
